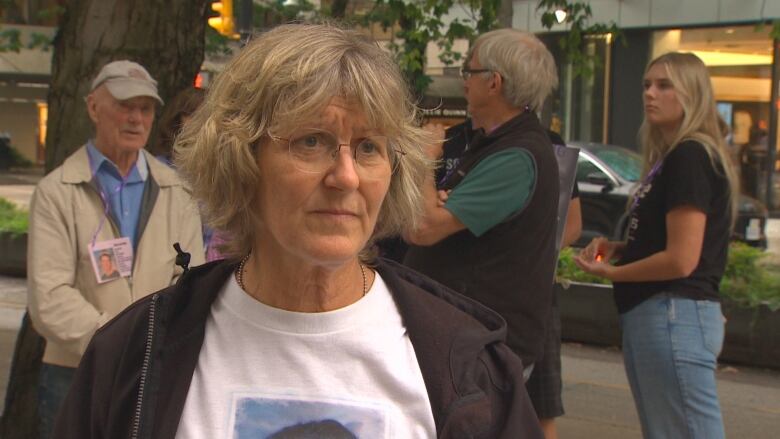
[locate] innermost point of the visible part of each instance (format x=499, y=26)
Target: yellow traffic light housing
x=222, y=19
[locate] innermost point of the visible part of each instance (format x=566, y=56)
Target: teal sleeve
x=498, y=187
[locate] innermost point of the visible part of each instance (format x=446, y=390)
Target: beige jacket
x=66, y=303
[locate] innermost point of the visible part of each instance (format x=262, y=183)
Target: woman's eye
x=368, y=147
x=310, y=141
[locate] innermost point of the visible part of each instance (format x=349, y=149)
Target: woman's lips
x=335, y=212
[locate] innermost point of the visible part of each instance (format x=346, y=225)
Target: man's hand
x=442, y=197
x=437, y=222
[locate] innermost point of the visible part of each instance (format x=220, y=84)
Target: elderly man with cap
x=108, y=196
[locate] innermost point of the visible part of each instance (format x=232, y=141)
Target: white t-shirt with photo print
x=264, y=372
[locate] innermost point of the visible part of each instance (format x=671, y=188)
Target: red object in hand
x=599, y=257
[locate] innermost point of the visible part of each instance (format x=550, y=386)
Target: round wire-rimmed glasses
x=314, y=150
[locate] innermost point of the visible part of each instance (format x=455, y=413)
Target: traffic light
x=222, y=19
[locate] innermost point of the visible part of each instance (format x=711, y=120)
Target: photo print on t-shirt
x=277, y=418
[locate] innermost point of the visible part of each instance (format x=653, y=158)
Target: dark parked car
x=607, y=176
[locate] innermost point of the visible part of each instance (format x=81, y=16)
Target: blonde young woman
x=305, y=152
x=666, y=274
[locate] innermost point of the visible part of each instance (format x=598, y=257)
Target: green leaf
x=10, y=40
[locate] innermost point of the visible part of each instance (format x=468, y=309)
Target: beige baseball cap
x=125, y=80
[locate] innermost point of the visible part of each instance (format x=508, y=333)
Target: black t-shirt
x=686, y=178
x=458, y=138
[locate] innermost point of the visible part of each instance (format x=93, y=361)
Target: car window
x=627, y=164
x=585, y=167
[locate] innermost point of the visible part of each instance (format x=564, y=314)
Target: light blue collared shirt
x=124, y=199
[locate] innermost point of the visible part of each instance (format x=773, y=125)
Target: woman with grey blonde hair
x=305, y=151
x=668, y=270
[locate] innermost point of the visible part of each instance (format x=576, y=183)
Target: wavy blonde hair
x=282, y=79
x=701, y=121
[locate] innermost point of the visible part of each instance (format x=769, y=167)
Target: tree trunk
x=505, y=12
x=338, y=8
x=165, y=36
x=20, y=414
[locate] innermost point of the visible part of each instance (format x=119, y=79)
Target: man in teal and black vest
x=490, y=223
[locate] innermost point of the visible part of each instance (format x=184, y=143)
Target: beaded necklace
x=242, y=264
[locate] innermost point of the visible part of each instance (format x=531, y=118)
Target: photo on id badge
x=111, y=259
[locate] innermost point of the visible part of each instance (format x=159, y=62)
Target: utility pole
x=244, y=19
x=773, y=128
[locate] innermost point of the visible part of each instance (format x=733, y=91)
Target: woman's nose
x=344, y=172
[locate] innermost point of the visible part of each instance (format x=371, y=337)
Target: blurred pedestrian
x=178, y=111
x=666, y=274
x=108, y=198
x=545, y=385
x=305, y=151
x=493, y=239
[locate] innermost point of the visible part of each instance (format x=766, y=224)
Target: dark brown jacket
x=134, y=378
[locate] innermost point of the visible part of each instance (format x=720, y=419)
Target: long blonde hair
x=701, y=121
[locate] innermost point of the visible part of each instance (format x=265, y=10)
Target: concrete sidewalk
x=598, y=400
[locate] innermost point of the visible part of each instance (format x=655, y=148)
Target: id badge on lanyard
x=113, y=258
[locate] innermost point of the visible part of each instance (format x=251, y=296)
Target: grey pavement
x=13, y=300
x=21, y=176
x=598, y=400
x=17, y=194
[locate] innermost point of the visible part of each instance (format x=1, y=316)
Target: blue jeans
x=670, y=348
x=53, y=384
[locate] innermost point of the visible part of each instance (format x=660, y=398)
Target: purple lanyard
x=646, y=182
x=105, y=201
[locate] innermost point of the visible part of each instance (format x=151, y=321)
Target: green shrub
x=748, y=279
x=12, y=218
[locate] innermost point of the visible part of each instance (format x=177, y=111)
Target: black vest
x=510, y=268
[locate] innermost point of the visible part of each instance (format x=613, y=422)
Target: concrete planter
x=588, y=315
x=13, y=254
x=752, y=335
